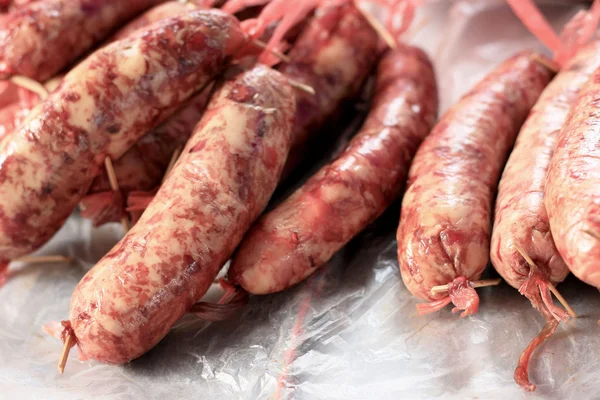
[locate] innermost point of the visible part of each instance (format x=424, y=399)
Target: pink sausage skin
x=573, y=186
x=41, y=38
x=228, y=171
x=334, y=54
x=49, y=163
x=288, y=244
x=520, y=217
x=445, y=220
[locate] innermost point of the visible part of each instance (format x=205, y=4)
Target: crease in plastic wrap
x=349, y=332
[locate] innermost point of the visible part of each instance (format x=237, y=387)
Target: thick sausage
x=101, y=109
x=445, y=221
x=334, y=54
x=143, y=166
x=300, y=235
x=223, y=181
x=521, y=217
x=41, y=38
x=573, y=186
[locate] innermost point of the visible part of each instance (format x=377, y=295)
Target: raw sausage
x=39, y=39
x=101, y=109
x=521, y=222
x=300, y=235
x=334, y=54
x=445, y=221
x=572, y=187
x=128, y=302
x=521, y=217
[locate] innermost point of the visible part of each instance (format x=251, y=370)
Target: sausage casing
x=445, y=221
x=228, y=171
x=300, y=235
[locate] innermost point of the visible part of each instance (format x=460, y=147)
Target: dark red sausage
x=228, y=171
x=300, y=235
x=41, y=38
x=445, y=222
x=334, y=55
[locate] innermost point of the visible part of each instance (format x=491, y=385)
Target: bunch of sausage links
x=180, y=119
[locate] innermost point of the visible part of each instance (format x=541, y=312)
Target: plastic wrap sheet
x=349, y=332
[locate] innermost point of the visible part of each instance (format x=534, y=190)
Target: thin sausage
x=572, y=187
x=300, y=235
x=228, y=171
x=445, y=222
x=101, y=109
x=41, y=38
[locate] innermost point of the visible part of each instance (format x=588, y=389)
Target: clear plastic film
x=349, y=332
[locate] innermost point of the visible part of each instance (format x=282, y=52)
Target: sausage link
x=41, y=38
x=101, y=109
x=520, y=217
x=573, y=188
x=223, y=181
x=445, y=221
x=334, y=54
x=291, y=242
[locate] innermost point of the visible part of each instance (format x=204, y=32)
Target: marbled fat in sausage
x=445, y=221
x=143, y=167
x=41, y=38
x=228, y=171
x=300, y=235
x=573, y=186
x=100, y=110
